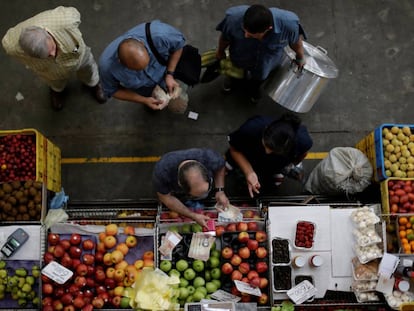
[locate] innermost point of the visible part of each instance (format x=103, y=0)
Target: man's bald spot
x=133, y=54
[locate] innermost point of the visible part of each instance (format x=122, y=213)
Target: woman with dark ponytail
x=265, y=148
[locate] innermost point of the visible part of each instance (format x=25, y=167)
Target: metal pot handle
x=322, y=50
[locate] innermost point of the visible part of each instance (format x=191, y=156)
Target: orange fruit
x=403, y=220
x=408, y=225
x=407, y=248
x=404, y=241
x=403, y=234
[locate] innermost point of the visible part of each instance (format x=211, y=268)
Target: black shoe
x=99, y=93
x=227, y=85
x=56, y=100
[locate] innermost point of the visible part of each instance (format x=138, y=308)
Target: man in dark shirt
x=190, y=174
x=263, y=146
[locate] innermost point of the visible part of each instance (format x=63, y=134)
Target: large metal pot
x=298, y=90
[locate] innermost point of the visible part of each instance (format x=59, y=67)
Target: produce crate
x=385, y=196
x=372, y=147
x=48, y=169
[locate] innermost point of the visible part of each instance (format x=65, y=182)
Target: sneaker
x=98, y=93
x=227, y=85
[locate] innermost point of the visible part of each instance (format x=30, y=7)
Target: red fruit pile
x=305, y=231
x=244, y=258
x=17, y=157
x=401, y=196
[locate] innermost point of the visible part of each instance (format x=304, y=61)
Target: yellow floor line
x=151, y=159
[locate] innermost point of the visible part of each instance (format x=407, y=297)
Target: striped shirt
x=62, y=23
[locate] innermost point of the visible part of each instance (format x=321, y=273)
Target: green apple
x=174, y=272
x=183, y=282
x=189, y=298
x=186, y=228
x=201, y=289
x=215, y=273
x=198, y=295
x=191, y=289
x=181, y=265
x=215, y=253
x=207, y=275
x=198, y=282
x=198, y=265
x=173, y=229
x=184, y=293
x=213, y=262
x=211, y=287
x=125, y=302
x=189, y=274
x=2, y=264
x=196, y=228
x=3, y=273
x=217, y=282
x=165, y=265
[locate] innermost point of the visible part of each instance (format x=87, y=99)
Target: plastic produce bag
x=344, y=170
x=154, y=290
x=56, y=212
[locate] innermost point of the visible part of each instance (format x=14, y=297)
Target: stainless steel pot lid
x=317, y=60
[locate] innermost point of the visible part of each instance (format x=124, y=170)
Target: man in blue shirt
x=190, y=174
x=256, y=37
x=129, y=70
x=263, y=146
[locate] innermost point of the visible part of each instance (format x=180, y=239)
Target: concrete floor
x=370, y=41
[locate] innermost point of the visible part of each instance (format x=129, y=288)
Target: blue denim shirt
x=113, y=74
x=259, y=57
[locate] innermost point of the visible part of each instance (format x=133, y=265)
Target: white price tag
x=57, y=272
x=247, y=288
x=222, y=295
x=301, y=292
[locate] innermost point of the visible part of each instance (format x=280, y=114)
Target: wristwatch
x=219, y=189
x=168, y=72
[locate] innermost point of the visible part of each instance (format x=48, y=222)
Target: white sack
x=344, y=170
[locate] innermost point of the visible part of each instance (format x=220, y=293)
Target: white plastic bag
x=344, y=170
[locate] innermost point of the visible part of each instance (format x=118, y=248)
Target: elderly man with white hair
x=51, y=45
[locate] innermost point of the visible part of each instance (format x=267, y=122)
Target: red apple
x=69, y=308
x=57, y=305
x=252, y=244
x=66, y=261
x=263, y=299
x=244, y=268
x=227, y=268
x=75, y=239
x=48, y=308
x=88, y=259
x=241, y=226
x=244, y=252
x=116, y=301
x=220, y=230
x=81, y=269
x=261, y=236
x=78, y=302
x=80, y=281
x=58, y=291
x=90, y=282
x=47, y=301
x=243, y=237
x=263, y=282
x=261, y=267
x=235, y=291
x=129, y=230
x=227, y=252
x=47, y=289
x=246, y=298
x=235, y=260
x=252, y=274
x=75, y=252
x=75, y=262
x=110, y=283
x=91, y=270
x=66, y=298
x=261, y=252
x=88, y=245
x=65, y=244
x=48, y=257
x=53, y=238
x=100, y=289
x=99, y=257
x=98, y=302
x=73, y=289
x=87, y=307
x=252, y=226
x=59, y=251
x=236, y=275
x=100, y=275
x=255, y=282
x=231, y=227
x=105, y=296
